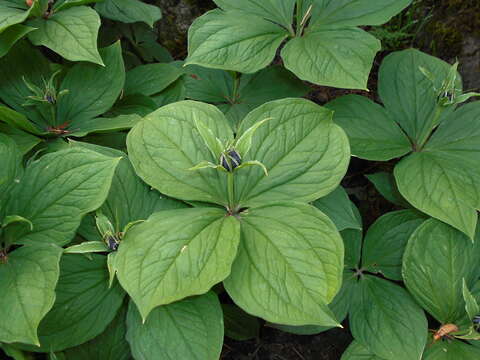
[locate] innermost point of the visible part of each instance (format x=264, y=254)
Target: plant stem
x=438, y=112
x=231, y=190
x=236, y=85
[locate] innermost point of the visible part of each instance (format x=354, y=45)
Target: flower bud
x=224, y=162
x=112, y=243
x=235, y=158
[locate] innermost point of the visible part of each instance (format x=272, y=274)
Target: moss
x=451, y=21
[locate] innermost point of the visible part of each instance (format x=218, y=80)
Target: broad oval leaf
x=233, y=41
x=436, y=261
x=92, y=89
x=129, y=11
x=354, y=12
x=305, y=153
x=84, y=306
x=357, y=351
x=71, y=33
x=451, y=350
x=338, y=207
x=277, y=11
x=385, y=184
x=130, y=199
x=339, y=306
x=57, y=190
x=28, y=285
x=372, y=133
x=151, y=79
x=408, y=94
x=440, y=186
x=385, y=242
x=385, y=319
x=175, y=254
x=11, y=168
x=11, y=14
x=340, y=57
x=216, y=86
x=167, y=143
x=289, y=266
x=443, y=180
x=24, y=140
x=109, y=345
x=191, y=329
x=9, y=37
x=18, y=120
x=23, y=61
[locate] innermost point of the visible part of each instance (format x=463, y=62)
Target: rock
x=178, y=15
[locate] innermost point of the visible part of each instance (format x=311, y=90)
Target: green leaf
x=355, y=12
x=217, y=86
x=451, y=192
x=352, y=240
x=84, y=305
x=24, y=141
x=151, y=79
x=471, y=305
x=87, y=247
x=13, y=219
x=442, y=185
x=129, y=11
x=451, y=350
x=209, y=85
x=408, y=94
x=18, y=120
x=71, y=33
x=175, y=254
x=66, y=4
x=357, y=351
x=191, y=329
x=339, y=306
x=436, y=261
x=109, y=345
x=339, y=208
x=10, y=36
x=233, y=41
x=105, y=125
x=175, y=92
x=28, y=285
x=23, y=61
x=244, y=142
x=385, y=242
x=213, y=143
x=372, y=133
x=133, y=104
x=289, y=265
x=11, y=14
x=340, y=57
x=92, y=89
x=14, y=353
x=385, y=184
x=277, y=11
x=57, y=190
x=239, y=325
x=166, y=144
x=385, y=319
x=129, y=199
x=305, y=153
x=11, y=167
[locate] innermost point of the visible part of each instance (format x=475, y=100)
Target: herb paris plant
x=306, y=156
x=439, y=176
x=324, y=46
